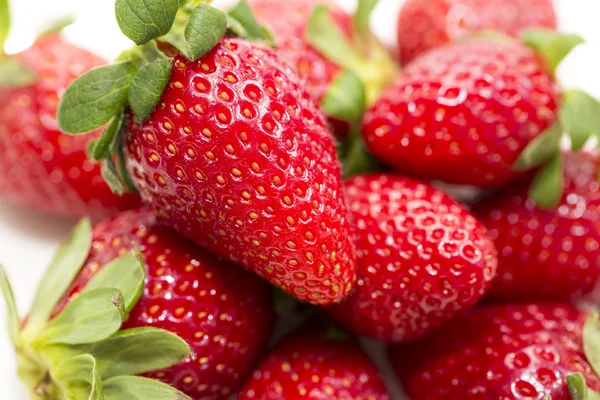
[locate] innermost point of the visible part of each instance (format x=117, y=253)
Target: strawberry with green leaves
x=40, y=168
x=481, y=112
x=101, y=318
x=221, y=139
x=510, y=352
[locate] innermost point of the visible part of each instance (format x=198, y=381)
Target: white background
x=27, y=240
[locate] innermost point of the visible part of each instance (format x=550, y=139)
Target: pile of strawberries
x=229, y=155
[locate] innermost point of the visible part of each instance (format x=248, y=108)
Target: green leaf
x=577, y=386
x=81, y=371
x=126, y=274
x=4, y=24
x=593, y=395
x=591, y=341
x=144, y=20
x=540, y=150
x=551, y=45
x=357, y=159
x=206, y=27
x=57, y=26
x=14, y=74
x=147, y=87
x=88, y=318
x=548, y=185
x=138, y=388
x=579, y=116
x=142, y=55
x=243, y=14
x=13, y=322
x=123, y=173
x=139, y=350
x=103, y=147
x=65, y=265
x=362, y=17
x=345, y=99
x=94, y=98
x=111, y=177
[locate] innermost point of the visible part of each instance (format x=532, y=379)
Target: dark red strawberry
x=509, y=352
x=425, y=24
x=41, y=168
x=547, y=254
x=422, y=257
x=237, y=157
x=225, y=314
x=309, y=365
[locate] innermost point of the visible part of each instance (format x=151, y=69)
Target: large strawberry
x=511, y=352
x=224, y=314
x=39, y=167
x=547, y=253
x=422, y=257
x=228, y=148
x=312, y=364
x=425, y=24
x=474, y=112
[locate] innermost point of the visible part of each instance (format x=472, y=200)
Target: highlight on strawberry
x=219, y=136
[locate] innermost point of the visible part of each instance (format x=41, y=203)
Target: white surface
x=27, y=240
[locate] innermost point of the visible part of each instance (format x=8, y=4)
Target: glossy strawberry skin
x=308, y=365
x=237, y=158
x=224, y=313
x=422, y=257
x=510, y=352
x=426, y=24
x=547, y=254
x=473, y=106
x=40, y=167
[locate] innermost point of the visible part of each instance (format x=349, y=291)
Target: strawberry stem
x=4, y=24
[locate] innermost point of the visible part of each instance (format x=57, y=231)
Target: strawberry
x=547, y=254
x=503, y=352
x=233, y=153
x=223, y=313
x=39, y=167
x=425, y=24
x=422, y=258
x=310, y=364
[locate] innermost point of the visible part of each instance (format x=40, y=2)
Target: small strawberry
x=547, y=253
x=511, y=352
x=223, y=313
x=425, y=24
x=308, y=364
x=422, y=257
x=229, y=149
x=39, y=167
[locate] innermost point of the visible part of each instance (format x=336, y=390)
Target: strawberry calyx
x=12, y=73
x=79, y=351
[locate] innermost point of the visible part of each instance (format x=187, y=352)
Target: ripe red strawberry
x=422, y=258
x=509, y=352
x=463, y=113
x=547, y=254
x=41, y=168
x=425, y=24
x=308, y=364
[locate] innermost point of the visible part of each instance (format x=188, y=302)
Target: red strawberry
x=473, y=106
x=308, y=364
x=425, y=24
x=41, y=168
x=237, y=157
x=548, y=254
x=225, y=314
x=509, y=352
x=422, y=258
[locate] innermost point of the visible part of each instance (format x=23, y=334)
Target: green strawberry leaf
x=4, y=24
x=540, y=150
x=13, y=321
x=57, y=26
x=357, y=159
x=126, y=273
x=94, y=98
x=144, y=20
x=205, y=28
x=345, y=99
x=242, y=14
x=81, y=374
x=362, y=17
x=577, y=386
x=139, y=350
x=138, y=388
x=111, y=177
x=123, y=172
x=552, y=46
x=147, y=87
x=579, y=116
x=103, y=147
x=88, y=318
x=66, y=264
x=548, y=185
x=591, y=341
x=14, y=74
